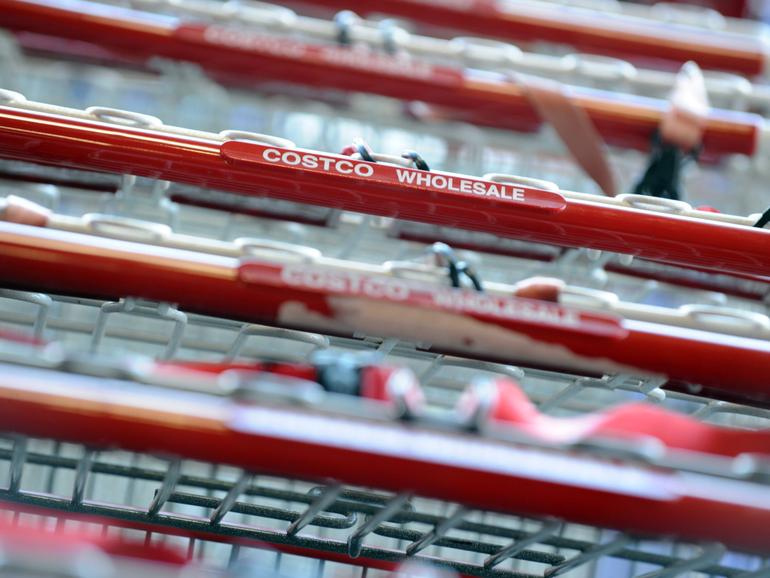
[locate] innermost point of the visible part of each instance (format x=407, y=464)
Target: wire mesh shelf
x=218, y=511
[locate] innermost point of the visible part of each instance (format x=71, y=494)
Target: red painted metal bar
x=339, y=182
x=307, y=297
x=745, y=286
x=250, y=58
x=755, y=288
x=752, y=287
x=477, y=471
x=732, y=8
x=646, y=42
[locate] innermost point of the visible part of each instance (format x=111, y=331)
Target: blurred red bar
x=473, y=470
x=643, y=41
x=730, y=8
x=249, y=57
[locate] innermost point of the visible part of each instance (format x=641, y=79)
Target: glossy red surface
x=743, y=286
x=39, y=137
x=255, y=57
x=635, y=499
x=183, y=368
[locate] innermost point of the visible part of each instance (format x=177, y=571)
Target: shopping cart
x=157, y=464
x=219, y=512
x=45, y=466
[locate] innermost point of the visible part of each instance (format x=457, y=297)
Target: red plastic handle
x=502, y=400
x=51, y=139
x=307, y=283
x=342, y=169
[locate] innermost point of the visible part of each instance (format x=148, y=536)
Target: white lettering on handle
x=327, y=279
x=379, y=287
x=411, y=177
x=459, y=184
x=311, y=161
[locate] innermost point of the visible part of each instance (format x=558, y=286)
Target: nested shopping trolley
x=333, y=463
x=220, y=460
x=227, y=352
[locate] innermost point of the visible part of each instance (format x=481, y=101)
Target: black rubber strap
x=415, y=157
x=363, y=150
x=471, y=274
x=456, y=269
x=663, y=176
x=763, y=220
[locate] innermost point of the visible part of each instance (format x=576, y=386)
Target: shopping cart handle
x=525, y=196
x=316, y=291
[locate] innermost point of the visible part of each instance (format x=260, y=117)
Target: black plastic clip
x=446, y=257
x=415, y=157
x=662, y=177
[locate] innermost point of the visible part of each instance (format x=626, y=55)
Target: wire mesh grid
x=217, y=513
x=161, y=330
